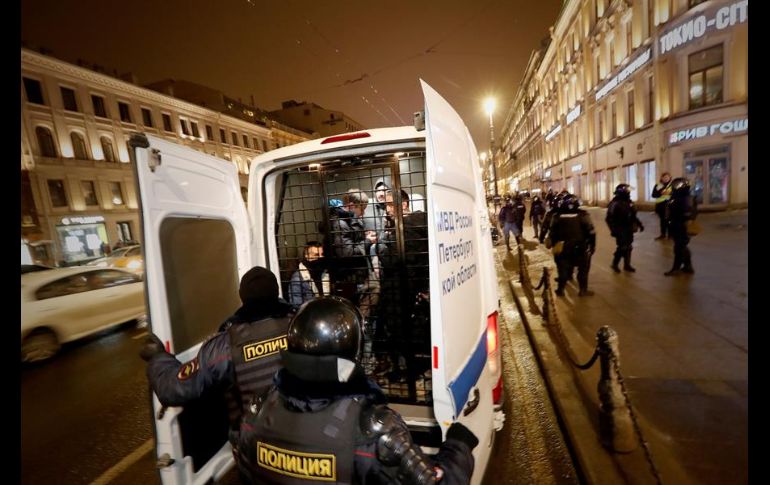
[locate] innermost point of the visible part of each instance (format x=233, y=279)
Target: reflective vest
x=255, y=349
x=665, y=193
x=290, y=447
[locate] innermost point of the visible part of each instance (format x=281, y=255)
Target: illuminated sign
x=715, y=18
x=81, y=220
x=553, y=133
x=632, y=67
x=703, y=131
x=577, y=168
x=572, y=115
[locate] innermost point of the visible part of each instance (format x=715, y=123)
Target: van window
x=201, y=276
x=337, y=235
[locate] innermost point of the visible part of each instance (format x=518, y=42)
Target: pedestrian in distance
x=623, y=223
x=324, y=411
x=536, y=215
x=221, y=365
x=662, y=193
x=681, y=209
x=520, y=211
x=508, y=219
x=574, y=242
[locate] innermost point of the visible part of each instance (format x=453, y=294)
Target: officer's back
x=325, y=421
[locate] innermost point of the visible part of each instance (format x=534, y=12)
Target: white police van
x=199, y=239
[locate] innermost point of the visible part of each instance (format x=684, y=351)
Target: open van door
x=195, y=230
x=462, y=300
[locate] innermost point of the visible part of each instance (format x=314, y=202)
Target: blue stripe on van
x=469, y=376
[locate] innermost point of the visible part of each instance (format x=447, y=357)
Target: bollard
x=615, y=425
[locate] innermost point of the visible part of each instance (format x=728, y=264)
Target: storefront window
x=117, y=193
x=600, y=185
x=82, y=241
x=630, y=176
x=705, y=69
x=649, y=179
x=708, y=171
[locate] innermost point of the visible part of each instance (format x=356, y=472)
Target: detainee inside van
x=375, y=253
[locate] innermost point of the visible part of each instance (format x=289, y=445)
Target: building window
x=125, y=113
x=651, y=16
x=629, y=39
x=167, y=122
x=124, y=231
x=306, y=112
x=600, y=136
x=264, y=145
x=706, y=77
x=648, y=177
x=89, y=192
x=693, y=3
x=68, y=99
x=255, y=143
x=34, y=91
x=246, y=141
x=45, y=142
x=79, y=146
x=99, y=107
x=147, y=117
x=650, y=100
x=234, y=136
x=631, y=119
x=614, y=127
x=209, y=133
x=116, y=193
x=195, y=132
x=57, y=193
x=598, y=71
x=109, y=152
x=222, y=136
x=185, y=130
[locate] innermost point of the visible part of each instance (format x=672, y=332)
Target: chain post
x=615, y=425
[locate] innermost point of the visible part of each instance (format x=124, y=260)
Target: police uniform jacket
x=241, y=357
x=621, y=216
x=575, y=229
x=272, y=443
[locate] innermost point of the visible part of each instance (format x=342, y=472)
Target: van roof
x=376, y=135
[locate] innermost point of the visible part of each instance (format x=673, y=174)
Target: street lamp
x=489, y=107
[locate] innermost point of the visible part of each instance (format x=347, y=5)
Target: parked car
x=64, y=304
x=131, y=260
x=108, y=261
x=31, y=268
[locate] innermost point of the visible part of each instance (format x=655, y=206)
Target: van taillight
x=497, y=392
x=492, y=339
x=350, y=136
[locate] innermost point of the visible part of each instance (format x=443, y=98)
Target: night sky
x=363, y=57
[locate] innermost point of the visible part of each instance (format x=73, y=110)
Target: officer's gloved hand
x=152, y=346
x=641, y=227
x=459, y=432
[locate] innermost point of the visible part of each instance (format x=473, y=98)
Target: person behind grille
x=311, y=278
x=324, y=420
x=222, y=365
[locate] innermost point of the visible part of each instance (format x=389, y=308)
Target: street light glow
x=489, y=106
x=483, y=156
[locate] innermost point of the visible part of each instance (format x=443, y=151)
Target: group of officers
x=568, y=231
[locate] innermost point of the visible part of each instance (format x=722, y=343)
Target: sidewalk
x=683, y=353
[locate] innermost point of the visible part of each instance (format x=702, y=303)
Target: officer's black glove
x=459, y=432
x=641, y=227
x=152, y=346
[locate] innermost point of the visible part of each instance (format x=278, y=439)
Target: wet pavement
x=683, y=343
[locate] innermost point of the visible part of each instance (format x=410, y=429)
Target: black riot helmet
x=680, y=186
x=570, y=203
x=624, y=190
x=327, y=326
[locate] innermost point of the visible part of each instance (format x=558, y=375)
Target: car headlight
x=134, y=265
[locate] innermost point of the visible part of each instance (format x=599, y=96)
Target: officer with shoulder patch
x=326, y=421
x=239, y=360
x=573, y=232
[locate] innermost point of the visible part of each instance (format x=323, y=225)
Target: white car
x=107, y=261
x=65, y=304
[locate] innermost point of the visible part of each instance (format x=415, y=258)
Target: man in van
x=326, y=421
x=311, y=278
x=239, y=360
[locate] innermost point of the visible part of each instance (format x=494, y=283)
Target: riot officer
x=553, y=208
x=681, y=208
x=623, y=223
x=325, y=420
x=573, y=231
x=221, y=363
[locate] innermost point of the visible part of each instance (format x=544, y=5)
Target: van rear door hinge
x=154, y=161
x=164, y=461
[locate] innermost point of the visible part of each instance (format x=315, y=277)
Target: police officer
x=572, y=226
x=239, y=360
x=662, y=193
x=536, y=214
x=553, y=208
x=623, y=223
x=681, y=208
x=325, y=420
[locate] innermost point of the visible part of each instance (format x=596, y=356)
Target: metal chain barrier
x=602, y=349
x=526, y=282
x=634, y=420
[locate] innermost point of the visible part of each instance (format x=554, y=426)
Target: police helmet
x=680, y=186
x=623, y=189
x=570, y=203
x=327, y=326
